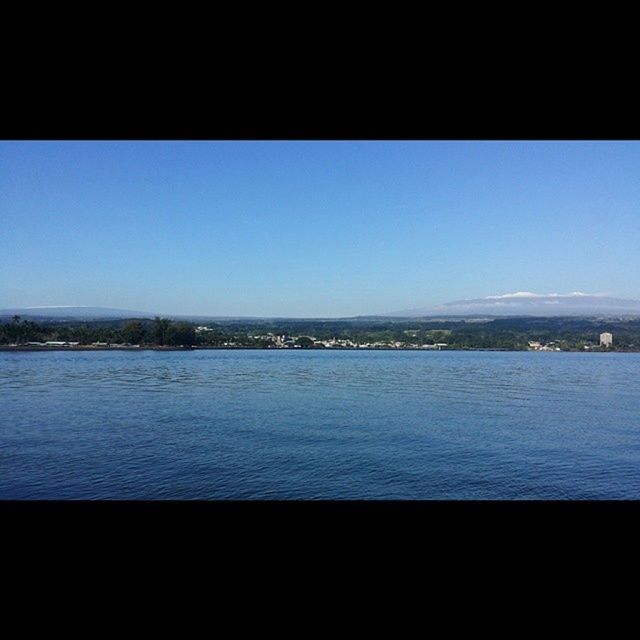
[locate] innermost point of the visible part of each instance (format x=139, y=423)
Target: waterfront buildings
x=606, y=339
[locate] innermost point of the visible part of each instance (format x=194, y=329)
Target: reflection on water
x=309, y=424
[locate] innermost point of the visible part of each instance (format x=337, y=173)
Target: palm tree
x=15, y=329
x=160, y=329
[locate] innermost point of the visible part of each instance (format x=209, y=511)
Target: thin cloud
x=529, y=294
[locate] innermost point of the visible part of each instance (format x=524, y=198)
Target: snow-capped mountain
x=536, y=304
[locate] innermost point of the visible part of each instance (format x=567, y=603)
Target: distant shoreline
x=31, y=348
x=90, y=348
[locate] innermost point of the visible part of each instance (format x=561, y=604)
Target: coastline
x=32, y=348
x=90, y=348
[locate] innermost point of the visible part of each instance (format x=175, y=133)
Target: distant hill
x=525, y=303
x=74, y=313
x=521, y=303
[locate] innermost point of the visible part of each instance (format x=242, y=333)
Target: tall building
x=606, y=339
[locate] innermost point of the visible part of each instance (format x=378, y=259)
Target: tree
x=180, y=334
x=15, y=330
x=160, y=328
x=133, y=332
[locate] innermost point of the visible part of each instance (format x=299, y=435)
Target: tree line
x=158, y=332
x=505, y=333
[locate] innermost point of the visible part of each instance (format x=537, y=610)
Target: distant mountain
x=521, y=303
x=524, y=303
x=74, y=313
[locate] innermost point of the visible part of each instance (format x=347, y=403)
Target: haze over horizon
x=520, y=303
x=317, y=229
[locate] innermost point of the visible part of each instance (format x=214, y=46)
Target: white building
x=606, y=339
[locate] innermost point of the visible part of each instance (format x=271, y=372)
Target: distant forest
x=566, y=333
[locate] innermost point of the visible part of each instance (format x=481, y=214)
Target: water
x=319, y=425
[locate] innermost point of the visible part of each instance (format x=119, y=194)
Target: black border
x=458, y=107
x=443, y=518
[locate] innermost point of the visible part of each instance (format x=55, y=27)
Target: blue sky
x=313, y=228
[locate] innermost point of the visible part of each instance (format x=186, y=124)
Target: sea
x=319, y=425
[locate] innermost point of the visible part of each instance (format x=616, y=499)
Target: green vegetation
x=133, y=332
x=566, y=334
x=141, y=332
x=180, y=333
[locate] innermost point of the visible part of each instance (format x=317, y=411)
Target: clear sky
x=313, y=228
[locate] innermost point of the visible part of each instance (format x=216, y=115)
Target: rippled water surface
x=319, y=425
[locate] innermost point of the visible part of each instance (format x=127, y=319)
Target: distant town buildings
x=606, y=339
x=539, y=346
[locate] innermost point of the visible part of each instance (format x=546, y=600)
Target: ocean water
x=297, y=424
